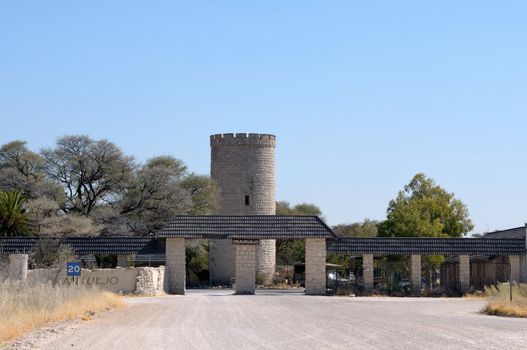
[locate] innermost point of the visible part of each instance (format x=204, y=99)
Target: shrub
x=499, y=300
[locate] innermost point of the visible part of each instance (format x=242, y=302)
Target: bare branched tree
x=22, y=170
x=91, y=172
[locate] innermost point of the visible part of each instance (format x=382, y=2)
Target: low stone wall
x=150, y=280
x=141, y=280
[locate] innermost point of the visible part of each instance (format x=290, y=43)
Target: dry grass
x=24, y=307
x=499, y=303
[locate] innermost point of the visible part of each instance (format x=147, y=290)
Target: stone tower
x=243, y=166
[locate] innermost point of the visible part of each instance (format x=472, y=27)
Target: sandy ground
x=286, y=320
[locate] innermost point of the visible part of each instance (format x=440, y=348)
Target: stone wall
x=245, y=269
x=316, y=266
x=243, y=165
x=142, y=280
x=150, y=281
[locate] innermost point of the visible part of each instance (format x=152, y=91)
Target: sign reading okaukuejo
x=245, y=241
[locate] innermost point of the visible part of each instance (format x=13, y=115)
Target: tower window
x=246, y=200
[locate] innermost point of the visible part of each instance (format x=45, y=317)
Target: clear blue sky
x=361, y=95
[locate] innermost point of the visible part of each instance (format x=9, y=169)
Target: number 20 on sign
x=73, y=268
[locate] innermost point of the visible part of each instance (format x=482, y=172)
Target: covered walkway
x=245, y=233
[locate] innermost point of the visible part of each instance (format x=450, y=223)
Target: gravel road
x=285, y=320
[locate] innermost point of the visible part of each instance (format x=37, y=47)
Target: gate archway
x=245, y=232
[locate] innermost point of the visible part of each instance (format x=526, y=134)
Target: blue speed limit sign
x=73, y=268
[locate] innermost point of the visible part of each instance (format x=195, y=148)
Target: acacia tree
x=22, y=170
x=155, y=195
x=47, y=219
x=204, y=193
x=91, y=172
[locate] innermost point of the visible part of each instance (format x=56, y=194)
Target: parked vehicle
x=333, y=275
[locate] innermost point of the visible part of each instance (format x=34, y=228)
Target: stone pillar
x=122, y=260
x=17, y=270
x=464, y=273
x=316, y=266
x=175, y=265
x=245, y=268
x=415, y=273
x=367, y=271
x=523, y=269
x=514, y=266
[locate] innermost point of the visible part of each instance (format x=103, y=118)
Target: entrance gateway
x=245, y=232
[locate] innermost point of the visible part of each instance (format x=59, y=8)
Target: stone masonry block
x=367, y=271
x=415, y=273
x=464, y=273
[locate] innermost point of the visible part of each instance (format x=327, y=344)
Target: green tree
x=424, y=209
x=13, y=218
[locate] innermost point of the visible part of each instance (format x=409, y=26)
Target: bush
x=50, y=253
x=499, y=300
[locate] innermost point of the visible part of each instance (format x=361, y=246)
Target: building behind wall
x=243, y=165
x=487, y=270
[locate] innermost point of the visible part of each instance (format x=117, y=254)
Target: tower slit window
x=246, y=200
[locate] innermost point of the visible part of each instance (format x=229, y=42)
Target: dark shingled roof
x=247, y=226
x=428, y=246
x=518, y=232
x=89, y=245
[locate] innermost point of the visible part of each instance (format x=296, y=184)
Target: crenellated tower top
x=240, y=139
